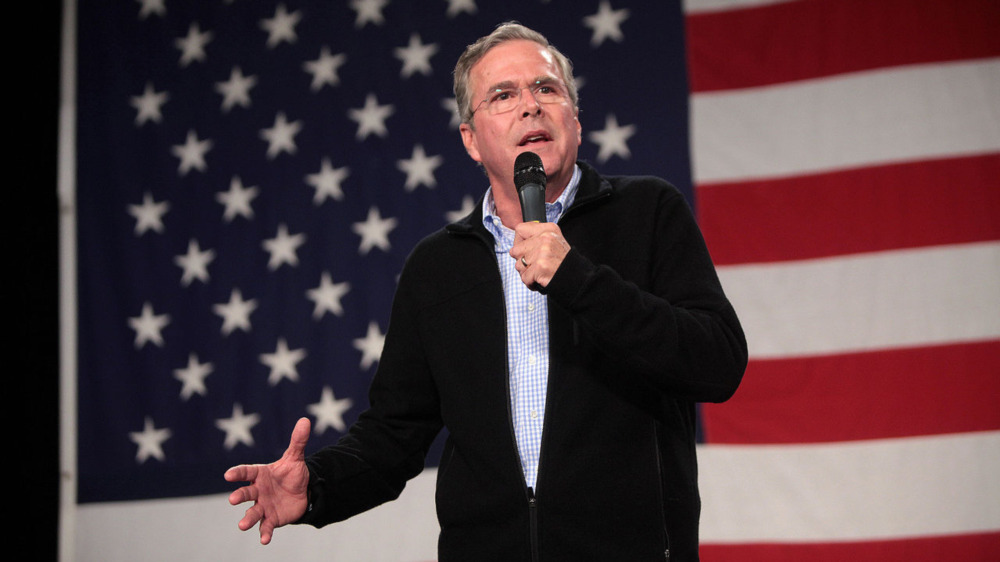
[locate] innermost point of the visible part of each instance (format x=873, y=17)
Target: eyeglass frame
x=559, y=85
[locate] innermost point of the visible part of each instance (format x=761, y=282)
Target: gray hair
x=504, y=32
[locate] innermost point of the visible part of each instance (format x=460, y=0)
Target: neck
x=508, y=205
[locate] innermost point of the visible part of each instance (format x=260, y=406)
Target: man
x=565, y=357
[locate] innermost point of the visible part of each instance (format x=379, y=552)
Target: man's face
x=550, y=130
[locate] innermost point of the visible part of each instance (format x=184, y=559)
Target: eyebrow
x=544, y=79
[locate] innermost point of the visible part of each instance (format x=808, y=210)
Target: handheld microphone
x=529, y=179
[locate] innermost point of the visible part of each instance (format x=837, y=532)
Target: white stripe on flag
x=850, y=491
x=700, y=6
x=853, y=120
x=204, y=528
x=926, y=296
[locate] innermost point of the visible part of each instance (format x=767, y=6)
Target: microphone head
x=528, y=169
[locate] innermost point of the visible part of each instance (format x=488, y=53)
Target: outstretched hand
x=278, y=490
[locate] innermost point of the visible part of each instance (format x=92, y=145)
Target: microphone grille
x=528, y=169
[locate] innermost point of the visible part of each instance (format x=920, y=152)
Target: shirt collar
x=553, y=211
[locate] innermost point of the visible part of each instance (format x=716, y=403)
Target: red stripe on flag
x=950, y=201
x=969, y=548
x=798, y=40
x=872, y=395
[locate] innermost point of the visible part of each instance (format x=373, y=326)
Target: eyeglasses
x=506, y=98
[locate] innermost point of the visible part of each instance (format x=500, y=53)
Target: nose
x=531, y=104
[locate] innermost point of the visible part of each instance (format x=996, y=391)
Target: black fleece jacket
x=640, y=330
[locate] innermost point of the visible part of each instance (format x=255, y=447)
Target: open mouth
x=532, y=138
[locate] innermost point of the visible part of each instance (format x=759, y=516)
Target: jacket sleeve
x=387, y=445
x=678, y=330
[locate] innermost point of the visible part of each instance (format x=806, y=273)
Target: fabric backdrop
x=248, y=178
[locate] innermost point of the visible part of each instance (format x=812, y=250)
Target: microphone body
x=532, y=198
x=529, y=179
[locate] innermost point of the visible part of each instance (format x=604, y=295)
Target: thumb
x=300, y=436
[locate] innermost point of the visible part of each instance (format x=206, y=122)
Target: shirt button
x=531, y=359
x=534, y=414
x=531, y=307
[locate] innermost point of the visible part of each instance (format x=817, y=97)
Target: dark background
x=35, y=393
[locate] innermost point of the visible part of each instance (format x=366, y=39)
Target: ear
x=469, y=140
x=579, y=129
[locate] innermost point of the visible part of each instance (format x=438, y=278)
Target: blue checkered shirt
x=527, y=334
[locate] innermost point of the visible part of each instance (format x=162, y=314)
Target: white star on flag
x=150, y=441
x=613, y=139
x=456, y=7
x=149, y=215
x=327, y=296
x=281, y=137
x=324, y=69
x=606, y=23
x=195, y=263
x=148, y=325
x=192, y=153
x=370, y=346
x=281, y=27
x=235, y=313
x=236, y=90
x=369, y=11
x=192, y=46
x=193, y=376
x=374, y=231
x=283, y=247
x=149, y=105
x=329, y=411
x=151, y=7
x=328, y=182
x=451, y=106
x=468, y=205
x=371, y=118
x=419, y=168
x=283, y=362
x=237, y=200
x=416, y=57
x=237, y=427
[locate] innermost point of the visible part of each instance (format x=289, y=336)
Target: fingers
x=539, y=241
x=244, y=494
x=241, y=473
x=266, y=531
x=266, y=527
x=528, y=230
x=266, y=482
x=539, y=249
x=254, y=514
x=300, y=436
x=234, y=474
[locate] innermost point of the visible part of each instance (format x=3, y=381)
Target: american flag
x=251, y=176
x=846, y=157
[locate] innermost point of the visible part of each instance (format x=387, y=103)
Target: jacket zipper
x=659, y=483
x=533, y=524
x=528, y=491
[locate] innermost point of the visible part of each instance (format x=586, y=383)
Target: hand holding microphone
x=539, y=246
